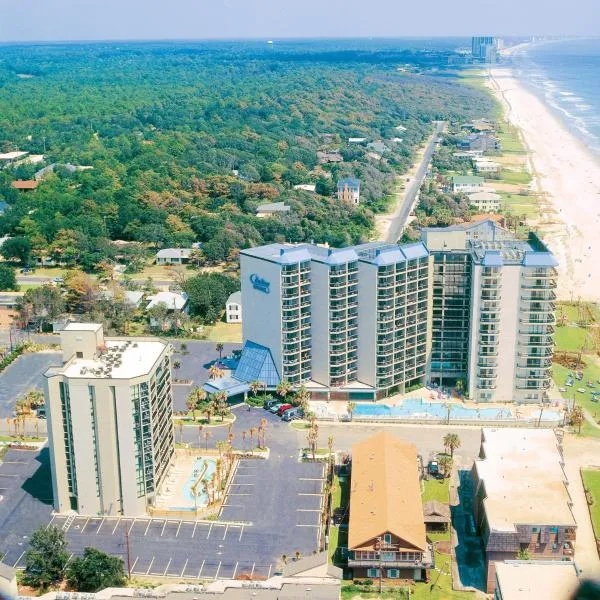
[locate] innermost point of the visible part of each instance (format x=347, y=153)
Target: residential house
x=529, y=580
x=348, y=190
x=378, y=147
x=174, y=301
x=306, y=187
x=436, y=515
x=465, y=184
x=233, y=308
x=173, y=256
x=356, y=140
x=484, y=165
x=479, y=125
x=485, y=201
x=272, y=209
x=521, y=499
x=480, y=141
x=329, y=157
x=67, y=166
x=24, y=185
x=499, y=220
x=386, y=532
x=130, y=297
x=8, y=158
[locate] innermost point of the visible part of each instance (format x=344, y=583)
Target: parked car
x=433, y=468
x=283, y=408
x=270, y=403
x=293, y=413
x=569, y=381
x=27, y=269
x=58, y=280
x=275, y=407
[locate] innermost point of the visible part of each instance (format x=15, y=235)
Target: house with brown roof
x=25, y=185
x=386, y=532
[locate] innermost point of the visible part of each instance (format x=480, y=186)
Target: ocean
x=566, y=75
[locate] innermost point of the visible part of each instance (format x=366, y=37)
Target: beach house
x=485, y=201
x=173, y=256
x=348, y=190
x=233, y=308
x=465, y=184
x=386, y=532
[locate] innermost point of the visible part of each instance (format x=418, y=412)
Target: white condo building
x=110, y=428
x=469, y=303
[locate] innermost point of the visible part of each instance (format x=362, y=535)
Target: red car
x=283, y=408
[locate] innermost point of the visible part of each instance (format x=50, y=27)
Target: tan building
x=110, y=428
x=521, y=498
x=387, y=528
x=485, y=201
x=348, y=190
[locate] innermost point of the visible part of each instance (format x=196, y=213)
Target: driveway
x=24, y=374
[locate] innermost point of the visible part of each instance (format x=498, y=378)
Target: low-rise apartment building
x=386, y=532
x=521, y=498
x=467, y=184
x=110, y=430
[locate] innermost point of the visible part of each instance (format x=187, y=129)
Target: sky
x=43, y=20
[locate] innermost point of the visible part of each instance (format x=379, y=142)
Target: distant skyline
x=66, y=20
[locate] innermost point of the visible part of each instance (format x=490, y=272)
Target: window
x=393, y=573
x=79, y=354
x=535, y=529
x=387, y=538
x=372, y=572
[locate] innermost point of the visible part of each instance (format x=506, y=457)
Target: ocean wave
x=572, y=99
x=566, y=93
x=584, y=106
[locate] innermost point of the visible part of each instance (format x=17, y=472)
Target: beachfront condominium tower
x=110, y=428
x=485, y=48
x=348, y=323
x=493, y=312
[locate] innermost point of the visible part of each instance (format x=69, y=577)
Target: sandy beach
x=569, y=175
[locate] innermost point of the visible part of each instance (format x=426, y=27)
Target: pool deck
x=519, y=412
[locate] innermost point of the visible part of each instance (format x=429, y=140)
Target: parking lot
x=272, y=508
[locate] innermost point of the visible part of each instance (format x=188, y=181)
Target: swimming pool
x=416, y=408
x=202, y=470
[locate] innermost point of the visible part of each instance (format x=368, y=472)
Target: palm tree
x=215, y=372
x=219, y=348
x=451, y=443
x=219, y=403
x=191, y=406
x=446, y=462
x=312, y=438
x=244, y=434
x=351, y=409
x=252, y=431
x=183, y=348
x=283, y=388
x=301, y=397
x=255, y=386
x=263, y=429
x=297, y=554
x=207, y=435
x=176, y=364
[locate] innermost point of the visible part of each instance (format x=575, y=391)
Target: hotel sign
x=260, y=284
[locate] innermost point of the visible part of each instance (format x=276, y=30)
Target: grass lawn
x=510, y=141
x=572, y=339
x=521, y=205
x=223, y=332
x=515, y=177
x=578, y=312
x=23, y=287
x=591, y=482
x=436, y=489
x=338, y=536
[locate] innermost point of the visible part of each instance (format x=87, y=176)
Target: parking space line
x=18, y=559
x=51, y=520
x=150, y=566
x=241, y=531
x=147, y=526
x=201, y=567
x=270, y=567
x=86, y=524
x=99, y=526
x=131, y=526
x=240, y=484
x=252, y=573
x=308, y=510
x=217, y=573
x=306, y=494
x=167, y=567
x=134, y=563
x=234, y=571
x=311, y=479
x=232, y=505
x=194, y=532
x=298, y=525
x=116, y=525
x=208, y=534
x=178, y=528
x=238, y=494
x=163, y=529
x=184, y=567
x=226, y=530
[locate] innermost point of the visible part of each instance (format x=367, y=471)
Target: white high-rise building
x=110, y=427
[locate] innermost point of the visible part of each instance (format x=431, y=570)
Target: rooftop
x=466, y=179
x=273, y=207
x=506, y=251
x=24, y=184
x=524, y=580
x=349, y=182
x=12, y=155
x=172, y=300
x=174, y=253
x=521, y=472
x=235, y=298
x=122, y=359
x=385, y=493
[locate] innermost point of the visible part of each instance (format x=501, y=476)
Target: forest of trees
x=186, y=140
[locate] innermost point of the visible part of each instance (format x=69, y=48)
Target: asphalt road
x=399, y=219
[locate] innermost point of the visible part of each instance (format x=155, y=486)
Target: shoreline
x=567, y=173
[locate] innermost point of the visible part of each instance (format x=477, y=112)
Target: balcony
x=540, y=273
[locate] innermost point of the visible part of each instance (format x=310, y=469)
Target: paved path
x=401, y=214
